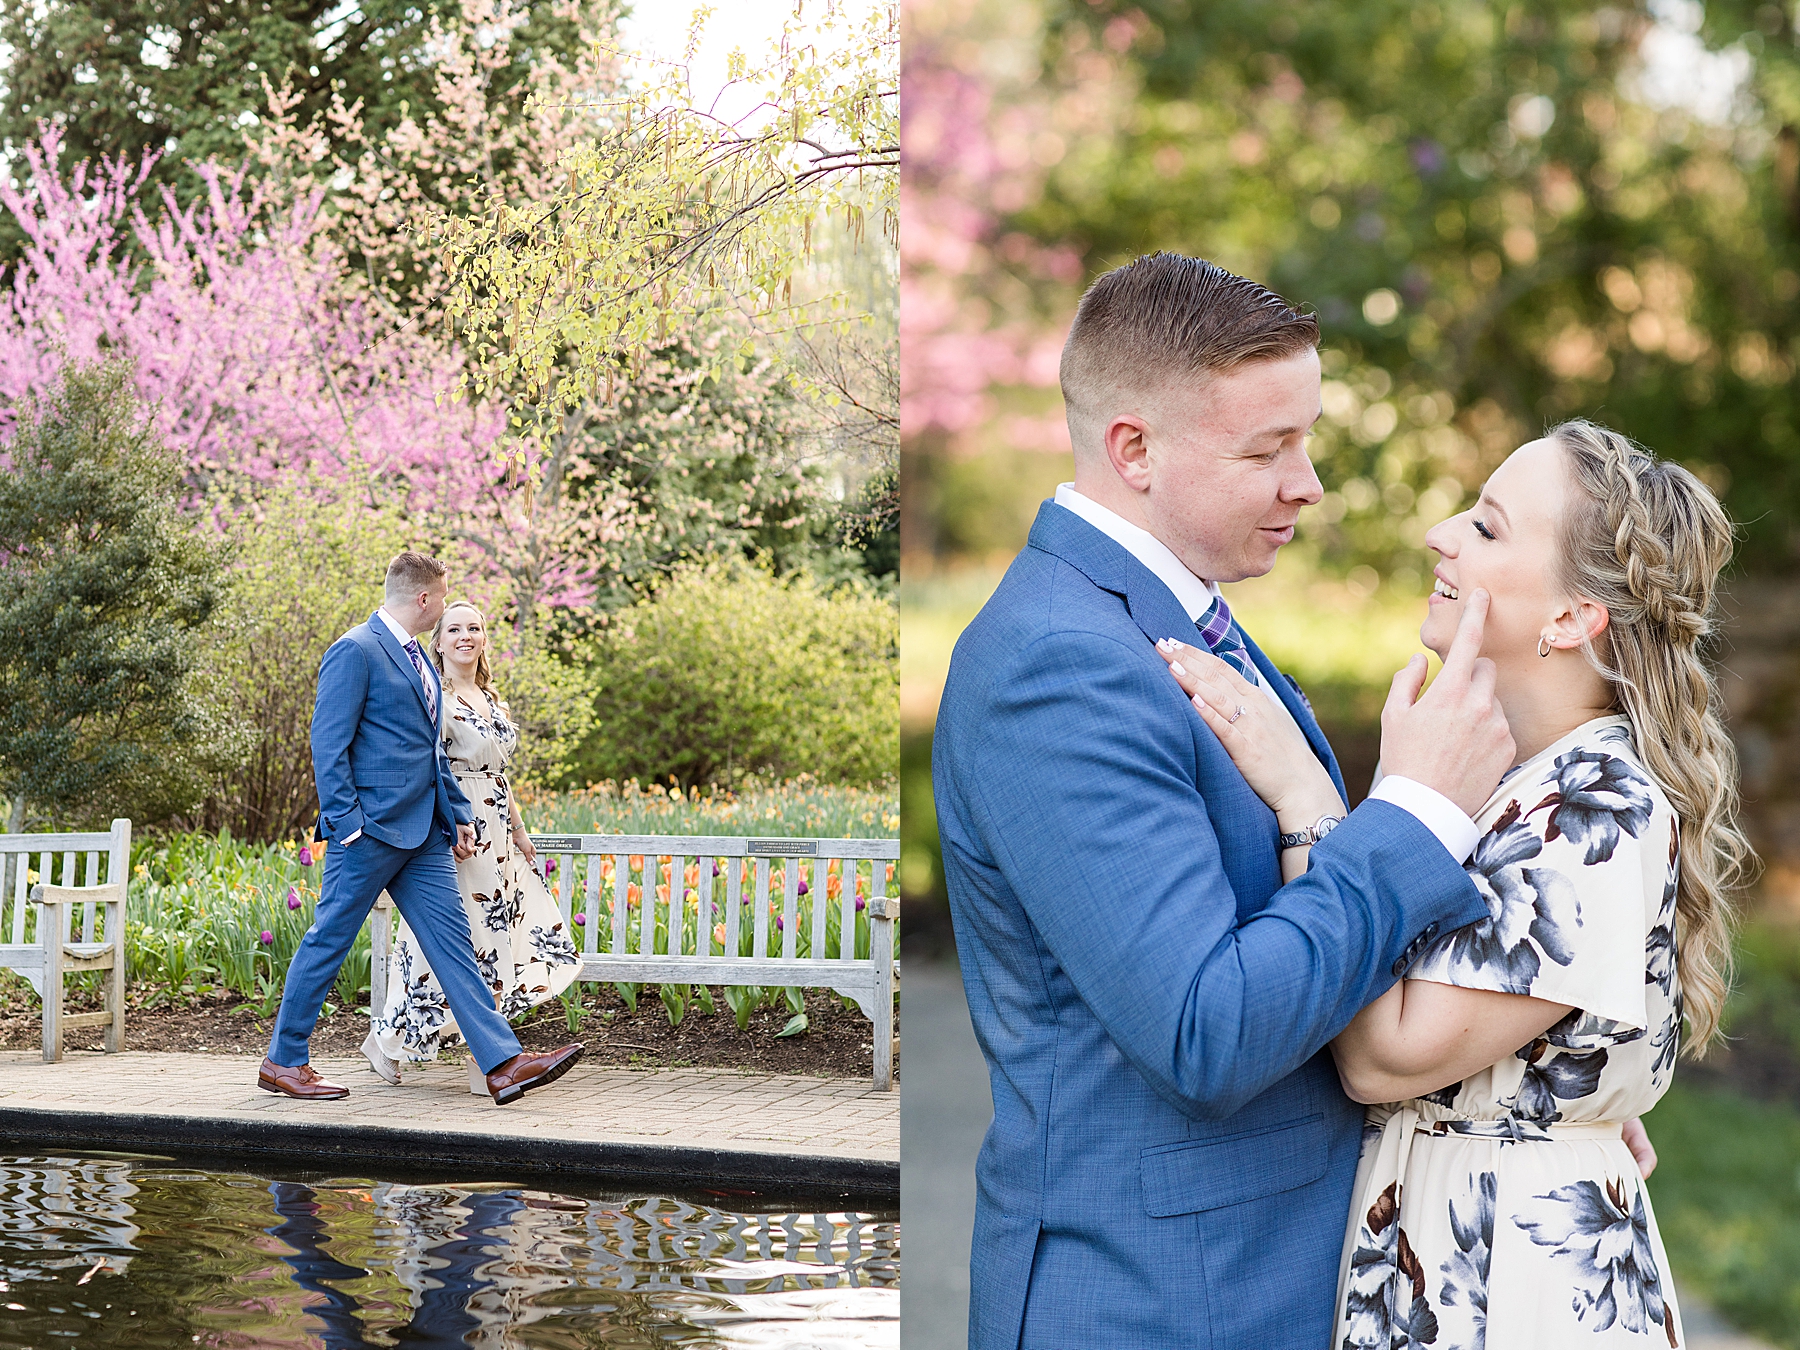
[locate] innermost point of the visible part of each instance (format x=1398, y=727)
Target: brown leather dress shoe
x=300, y=1083
x=525, y=1071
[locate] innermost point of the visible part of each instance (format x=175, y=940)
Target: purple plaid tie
x=1221, y=635
x=418, y=660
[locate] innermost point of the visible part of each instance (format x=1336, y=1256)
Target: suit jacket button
x=1431, y=931
x=1400, y=967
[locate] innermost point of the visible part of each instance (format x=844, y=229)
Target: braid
x=1652, y=573
x=1649, y=542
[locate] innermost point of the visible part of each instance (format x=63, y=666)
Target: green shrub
x=726, y=673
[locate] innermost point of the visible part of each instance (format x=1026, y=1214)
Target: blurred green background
x=1503, y=215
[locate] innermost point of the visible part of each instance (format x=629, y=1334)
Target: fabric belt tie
x=1406, y=1119
x=1523, y=1131
x=1508, y=1130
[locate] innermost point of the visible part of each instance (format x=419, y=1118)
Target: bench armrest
x=110, y=894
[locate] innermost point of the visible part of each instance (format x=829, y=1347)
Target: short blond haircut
x=410, y=572
x=1167, y=318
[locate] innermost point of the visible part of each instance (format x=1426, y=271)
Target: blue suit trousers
x=422, y=882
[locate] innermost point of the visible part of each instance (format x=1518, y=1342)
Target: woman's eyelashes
x=1481, y=529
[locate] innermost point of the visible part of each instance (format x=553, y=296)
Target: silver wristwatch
x=1306, y=838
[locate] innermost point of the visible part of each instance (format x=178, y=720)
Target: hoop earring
x=1544, y=645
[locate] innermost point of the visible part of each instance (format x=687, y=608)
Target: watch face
x=1326, y=825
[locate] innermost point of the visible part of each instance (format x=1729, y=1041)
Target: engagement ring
x=1241, y=710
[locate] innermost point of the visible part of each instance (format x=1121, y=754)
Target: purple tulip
x=859, y=902
x=717, y=870
x=268, y=938
x=305, y=855
x=778, y=922
x=581, y=921
x=293, y=898
x=550, y=865
x=804, y=888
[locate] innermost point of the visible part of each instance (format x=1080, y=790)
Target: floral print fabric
x=1504, y=1212
x=521, y=946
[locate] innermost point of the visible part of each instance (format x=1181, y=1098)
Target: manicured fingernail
x=1178, y=668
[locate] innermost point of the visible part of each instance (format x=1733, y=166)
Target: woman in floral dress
x=1496, y=1206
x=521, y=946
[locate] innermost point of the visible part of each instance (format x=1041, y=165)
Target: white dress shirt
x=1436, y=812
x=403, y=637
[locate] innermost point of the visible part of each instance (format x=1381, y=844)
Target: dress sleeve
x=1573, y=870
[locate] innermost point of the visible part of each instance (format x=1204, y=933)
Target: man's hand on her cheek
x=1454, y=736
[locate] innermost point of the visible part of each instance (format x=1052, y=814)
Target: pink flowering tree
x=266, y=358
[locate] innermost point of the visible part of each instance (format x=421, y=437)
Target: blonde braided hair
x=1645, y=538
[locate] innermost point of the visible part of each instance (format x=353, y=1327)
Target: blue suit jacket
x=1171, y=1157
x=378, y=761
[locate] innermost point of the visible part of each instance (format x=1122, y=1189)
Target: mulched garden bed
x=836, y=1044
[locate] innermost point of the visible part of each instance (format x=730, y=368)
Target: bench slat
x=592, y=907
x=41, y=843
x=722, y=846
x=734, y=904
x=87, y=1019
x=759, y=911
x=727, y=970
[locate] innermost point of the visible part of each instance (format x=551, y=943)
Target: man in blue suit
x=390, y=806
x=1171, y=1157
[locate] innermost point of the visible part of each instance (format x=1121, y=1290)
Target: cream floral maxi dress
x=521, y=948
x=1504, y=1212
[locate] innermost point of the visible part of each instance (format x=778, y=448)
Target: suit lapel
x=1110, y=566
x=397, y=654
x=1290, y=697
x=1154, y=608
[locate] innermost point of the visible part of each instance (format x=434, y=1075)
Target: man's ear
x=1128, y=450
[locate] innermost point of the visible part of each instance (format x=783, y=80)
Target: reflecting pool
x=122, y=1251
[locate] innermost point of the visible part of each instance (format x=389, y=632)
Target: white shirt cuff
x=352, y=837
x=1432, y=809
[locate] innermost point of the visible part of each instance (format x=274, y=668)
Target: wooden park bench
x=607, y=887
x=88, y=873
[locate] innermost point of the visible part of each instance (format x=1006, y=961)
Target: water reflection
x=116, y=1251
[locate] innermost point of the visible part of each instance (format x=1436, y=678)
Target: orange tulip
x=834, y=886
x=637, y=860
x=633, y=894
x=719, y=933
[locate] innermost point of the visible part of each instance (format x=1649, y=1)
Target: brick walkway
x=682, y=1126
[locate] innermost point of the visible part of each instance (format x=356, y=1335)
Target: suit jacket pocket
x=1201, y=1174
x=379, y=778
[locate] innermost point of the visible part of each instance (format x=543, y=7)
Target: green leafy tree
x=187, y=79
x=730, y=672
x=692, y=462
x=1499, y=221
x=106, y=597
